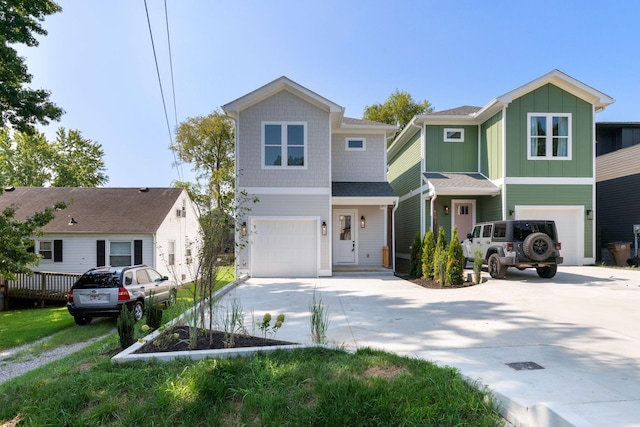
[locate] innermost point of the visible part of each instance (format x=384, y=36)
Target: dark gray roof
x=460, y=183
x=465, y=110
x=96, y=210
x=362, y=189
x=362, y=122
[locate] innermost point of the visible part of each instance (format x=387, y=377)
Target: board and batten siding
x=549, y=99
x=283, y=107
x=491, y=147
x=444, y=156
x=405, y=167
x=80, y=252
x=358, y=165
x=555, y=195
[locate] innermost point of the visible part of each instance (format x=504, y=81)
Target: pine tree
x=440, y=257
x=415, y=260
x=428, y=249
x=455, y=261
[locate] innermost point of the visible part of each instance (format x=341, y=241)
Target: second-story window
x=284, y=145
x=549, y=136
x=355, y=144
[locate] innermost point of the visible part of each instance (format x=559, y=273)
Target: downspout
x=433, y=207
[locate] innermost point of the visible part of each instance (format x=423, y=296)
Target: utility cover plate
x=524, y=366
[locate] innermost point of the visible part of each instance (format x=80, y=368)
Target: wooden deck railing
x=41, y=286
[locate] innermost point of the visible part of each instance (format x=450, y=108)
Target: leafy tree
x=398, y=109
x=455, y=261
x=415, y=258
x=428, y=250
x=15, y=256
x=70, y=161
x=78, y=161
x=209, y=142
x=21, y=107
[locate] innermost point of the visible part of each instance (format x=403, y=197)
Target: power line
x=173, y=86
x=164, y=105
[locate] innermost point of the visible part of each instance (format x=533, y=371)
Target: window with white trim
x=549, y=136
x=120, y=254
x=46, y=249
x=355, y=144
x=171, y=252
x=453, y=135
x=284, y=144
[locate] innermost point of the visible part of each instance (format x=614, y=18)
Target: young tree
x=428, y=249
x=209, y=143
x=398, y=109
x=440, y=257
x=78, y=161
x=21, y=107
x=455, y=261
x=415, y=258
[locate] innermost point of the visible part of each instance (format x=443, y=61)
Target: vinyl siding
x=618, y=208
x=488, y=208
x=555, y=195
x=407, y=223
x=618, y=164
x=356, y=165
x=371, y=239
x=283, y=106
x=451, y=156
x=405, y=167
x=550, y=99
x=491, y=147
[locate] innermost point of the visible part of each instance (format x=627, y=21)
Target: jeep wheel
x=496, y=269
x=547, y=272
x=537, y=246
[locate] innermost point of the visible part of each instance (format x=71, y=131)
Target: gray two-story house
x=320, y=178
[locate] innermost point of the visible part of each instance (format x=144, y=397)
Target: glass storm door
x=345, y=237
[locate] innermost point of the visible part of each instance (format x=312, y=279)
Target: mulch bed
x=432, y=284
x=167, y=341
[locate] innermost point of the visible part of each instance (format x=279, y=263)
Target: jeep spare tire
x=537, y=246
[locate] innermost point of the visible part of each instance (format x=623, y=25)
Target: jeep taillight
x=558, y=246
x=70, y=295
x=510, y=247
x=123, y=294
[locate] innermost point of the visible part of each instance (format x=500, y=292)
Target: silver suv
x=515, y=243
x=103, y=291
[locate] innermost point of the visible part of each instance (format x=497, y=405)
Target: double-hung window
x=549, y=136
x=120, y=253
x=284, y=145
x=46, y=249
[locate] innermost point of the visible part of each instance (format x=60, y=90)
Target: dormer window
x=453, y=135
x=284, y=145
x=355, y=144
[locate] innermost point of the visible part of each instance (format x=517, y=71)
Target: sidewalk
x=580, y=332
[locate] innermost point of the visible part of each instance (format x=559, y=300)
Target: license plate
x=95, y=297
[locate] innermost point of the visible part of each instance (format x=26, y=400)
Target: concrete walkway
x=575, y=339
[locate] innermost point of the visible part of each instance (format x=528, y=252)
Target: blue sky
x=97, y=60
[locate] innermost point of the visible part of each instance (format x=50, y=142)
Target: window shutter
x=100, y=250
x=137, y=252
x=57, y=251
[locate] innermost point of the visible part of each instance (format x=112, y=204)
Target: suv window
x=500, y=231
x=476, y=231
x=486, y=231
x=99, y=279
x=522, y=229
x=142, y=276
x=154, y=275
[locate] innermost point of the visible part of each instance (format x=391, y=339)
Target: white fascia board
x=288, y=190
x=549, y=181
x=335, y=201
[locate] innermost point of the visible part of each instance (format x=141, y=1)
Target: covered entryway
x=284, y=247
x=569, y=224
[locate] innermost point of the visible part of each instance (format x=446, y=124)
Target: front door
x=344, y=239
x=463, y=217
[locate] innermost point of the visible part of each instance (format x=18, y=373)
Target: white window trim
x=347, y=148
x=549, y=138
x=447, y=130
x=283, y=124
x=131, y=251
x=50, y=250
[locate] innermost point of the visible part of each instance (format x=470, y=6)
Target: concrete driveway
x=575, y=341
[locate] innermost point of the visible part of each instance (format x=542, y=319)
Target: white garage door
x=284, y=248
x=569, y=223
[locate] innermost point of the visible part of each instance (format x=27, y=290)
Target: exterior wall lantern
x=324, y=228
x=511, y=213
x=362, y=222
x=589, y=214
x=446, y=209
x=243, y=228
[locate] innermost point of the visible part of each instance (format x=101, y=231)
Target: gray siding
x=355, y=165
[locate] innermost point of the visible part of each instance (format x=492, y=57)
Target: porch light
x=324, y=228
x=243, y=229
x=589, y=214
x=362, y=222
x=446, y=209
x=511, y=213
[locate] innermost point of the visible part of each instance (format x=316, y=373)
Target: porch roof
x=459, y=184
x=363, y=193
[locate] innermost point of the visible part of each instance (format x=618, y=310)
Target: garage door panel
x=570, y=226
x=284, y=248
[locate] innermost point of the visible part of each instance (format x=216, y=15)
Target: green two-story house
x=528, y=154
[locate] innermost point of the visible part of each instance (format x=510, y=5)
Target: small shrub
x=319, y=320
x=154, y=316
x=415, y=259
x=455, y=261
x=440, y=257
x=126, y=324
x=477, y=266
x=428, y=249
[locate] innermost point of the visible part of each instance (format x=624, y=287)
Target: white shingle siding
x=361, y=166
x=285, y=107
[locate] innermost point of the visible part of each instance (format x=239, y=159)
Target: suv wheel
x=81, y=321
x=496, y=269
x=547, y=272
x=138, y=311
x=537, y=246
